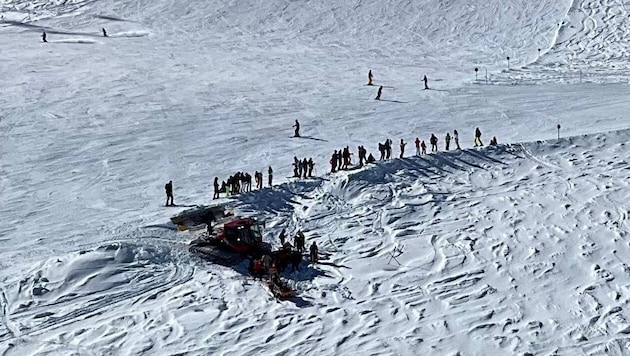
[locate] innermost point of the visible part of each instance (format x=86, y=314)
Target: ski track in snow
x=510, y=249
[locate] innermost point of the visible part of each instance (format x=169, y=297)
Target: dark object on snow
x=216, y=188
x=370, y=78
x=314, y=253
x=44, y=36
x=104, y=32
x=297, y=129
x=434, y=141
x=378, y=94
x=426, y=81
x=478, y=137
x=168, y=187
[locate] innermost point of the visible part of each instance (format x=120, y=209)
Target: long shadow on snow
x=279, y=198
x=430, y=166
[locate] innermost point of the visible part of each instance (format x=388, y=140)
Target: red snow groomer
x=228, y=239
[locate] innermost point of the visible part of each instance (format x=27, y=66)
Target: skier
x=381, y=149
x=434, y=141
x=44, y=36
x=168, y=187
x=378, y=94
x=456, y=137
x=333, y=162
x=402, y=147
x=297, y=129
x=311, y=165
x=493, y=141
x=314, y=253
x=448, y=140
x=370, y=78
x=478, y=138
x=304, y=168
x=426, y=81
x=270, y=173
x=424, y=147
x=388, y=149
x=417, y=142
x=297, y=167
x=216, y=188
x=104, y=32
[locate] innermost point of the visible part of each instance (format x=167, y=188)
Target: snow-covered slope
x=501, y=250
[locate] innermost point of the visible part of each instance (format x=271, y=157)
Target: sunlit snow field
x=511, y=249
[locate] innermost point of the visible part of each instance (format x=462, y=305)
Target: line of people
x=240, y=183
x=303, y=168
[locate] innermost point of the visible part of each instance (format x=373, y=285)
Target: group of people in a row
x=240, y=183
x=303, y=168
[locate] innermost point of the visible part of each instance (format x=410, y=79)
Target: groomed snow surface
x=520, y=248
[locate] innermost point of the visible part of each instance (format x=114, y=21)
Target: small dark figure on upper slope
x=104, y=32
x=456, y=137
x=378, y=94
x=297, y=129
x=478, y=138
x=168, y=187
x=270, y=174
x=44, y=36
x=426, y=81
x=402, y=147
x=370, y=78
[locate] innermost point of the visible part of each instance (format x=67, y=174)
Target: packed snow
x=519, y=248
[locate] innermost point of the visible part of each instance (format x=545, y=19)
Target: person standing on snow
x=297, y=129
x=434, y=141
x=426, y=81
x=104, y=32
x=378, y=94
x=216, y=188
x=314, y=253
x=424, y=147
x=478, y=138
x=402, y=147
x=417, y=142
x=168, y=187
x=448, y=140
x=370, y=78
x=270, y=173
x=456, y=137
x=44, y=36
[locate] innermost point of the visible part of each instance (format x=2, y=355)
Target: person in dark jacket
x=370, y=78
x=378, y=94
x=297, y=128
x=216, y=188
x=314, y=252
x=168, y=187
x=434, y=141
x=478, y=138
x=44, y=36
